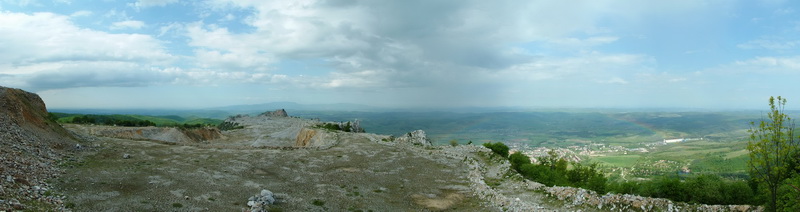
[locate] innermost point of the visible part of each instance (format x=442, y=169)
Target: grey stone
x=416, y=137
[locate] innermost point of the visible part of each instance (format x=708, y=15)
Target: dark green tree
x=518, y=159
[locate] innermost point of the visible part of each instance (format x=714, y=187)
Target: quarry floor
x=355, y=175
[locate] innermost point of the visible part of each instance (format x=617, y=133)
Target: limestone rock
x=261, y=201
x=416, y=137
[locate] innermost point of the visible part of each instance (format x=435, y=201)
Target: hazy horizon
x=177, y=54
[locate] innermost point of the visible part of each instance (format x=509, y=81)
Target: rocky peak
x=276, y=113
x=416, y=137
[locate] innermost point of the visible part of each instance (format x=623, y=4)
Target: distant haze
x=180, y=54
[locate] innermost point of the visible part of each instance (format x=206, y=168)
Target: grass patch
x=177, y=205
x=619, y=160
x=318, y=202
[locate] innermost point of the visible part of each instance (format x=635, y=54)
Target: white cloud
x=153, y=3
x=82, y=13
x=120, y=25
x=47, y=51
x=763, y=64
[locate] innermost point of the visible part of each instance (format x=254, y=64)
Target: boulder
x=261, y=201
x=416, y=137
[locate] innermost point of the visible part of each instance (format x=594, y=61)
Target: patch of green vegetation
x=318, y=202
x=718, y=163
x=177, y=205
x=134, y=120
x=498, y=148
x=493, y=182
x=619, y=160
x=225, y=126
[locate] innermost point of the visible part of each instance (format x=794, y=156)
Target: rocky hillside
x=30, y=146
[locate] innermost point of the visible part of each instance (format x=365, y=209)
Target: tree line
x=105, y=120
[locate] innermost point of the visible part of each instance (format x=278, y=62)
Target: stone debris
x=261, y=202
x=126, y=156
x=28, y=151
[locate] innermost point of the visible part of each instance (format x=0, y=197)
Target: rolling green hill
x=163, y=121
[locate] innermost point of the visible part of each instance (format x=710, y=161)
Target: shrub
x=454, y=142
x=498, y=148
x=518, y=159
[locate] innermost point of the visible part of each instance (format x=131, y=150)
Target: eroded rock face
x=276, y=113
x=320, y=138
x=304, y=137
x=203, y=134
x=416, y=137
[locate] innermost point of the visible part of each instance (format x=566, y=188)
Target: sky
x=710, y=54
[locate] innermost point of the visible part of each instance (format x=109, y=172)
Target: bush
x=225, y=126
x=705, y=189
x=518, y=159
x=789, y=194
x=498, y=148
x=454, y=142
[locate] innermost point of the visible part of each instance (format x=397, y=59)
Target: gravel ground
x=359, y=173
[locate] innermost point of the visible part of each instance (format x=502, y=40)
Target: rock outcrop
x=310, y=137
x=30, y=146
x=276, y=113
x=304, y=137
x=416, y=137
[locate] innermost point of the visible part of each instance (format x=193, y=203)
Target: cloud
x=47, y=51
x=153, y=3
x=769, y=44
x=96, y=74
x=81, y=13
x=770, y=64
x=120, y=25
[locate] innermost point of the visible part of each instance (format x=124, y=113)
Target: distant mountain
x=224, y=112
x=293, y=106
